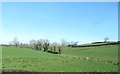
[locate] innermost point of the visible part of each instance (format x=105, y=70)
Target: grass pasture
x=72, y=60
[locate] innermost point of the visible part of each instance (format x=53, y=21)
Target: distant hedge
x=99, y=44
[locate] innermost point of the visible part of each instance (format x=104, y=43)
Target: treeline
x=40, y=45
x=53, y=47
x=45, y=46
x=99, y=44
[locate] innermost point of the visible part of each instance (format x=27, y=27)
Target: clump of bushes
x=45, y=46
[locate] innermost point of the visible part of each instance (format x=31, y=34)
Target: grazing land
x=78, y=59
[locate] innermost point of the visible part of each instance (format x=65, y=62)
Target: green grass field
x=72, y=60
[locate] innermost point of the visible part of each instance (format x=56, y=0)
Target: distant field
x=84, y=59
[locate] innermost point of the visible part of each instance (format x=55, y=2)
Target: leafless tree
x=54, y=46
x=46, y=43
x=15, y=41
x=32, y=43
x=64, y=42
x=40, y=44
x=106, y=39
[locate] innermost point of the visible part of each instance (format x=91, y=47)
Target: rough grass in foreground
x=30, y=60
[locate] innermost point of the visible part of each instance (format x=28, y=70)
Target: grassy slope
x=102, y=52
x=31, y=60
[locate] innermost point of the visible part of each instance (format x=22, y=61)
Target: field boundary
x=91, y=59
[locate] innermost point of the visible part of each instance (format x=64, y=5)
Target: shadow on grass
x=53, y=52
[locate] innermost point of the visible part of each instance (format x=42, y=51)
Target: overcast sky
x=73, y=21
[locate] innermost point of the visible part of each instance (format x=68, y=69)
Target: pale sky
x=74, y=21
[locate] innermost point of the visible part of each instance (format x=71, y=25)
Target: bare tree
x=64, y=42
x=40, y=44
x=41, y=41
x=15, y=41
x=54, y=45
x=46, y=44
x=106, y=39
x=32, y=43
x=11, y=43
x=73, y=44
x=63, y=45
x=60, y=49
x=46, y=41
